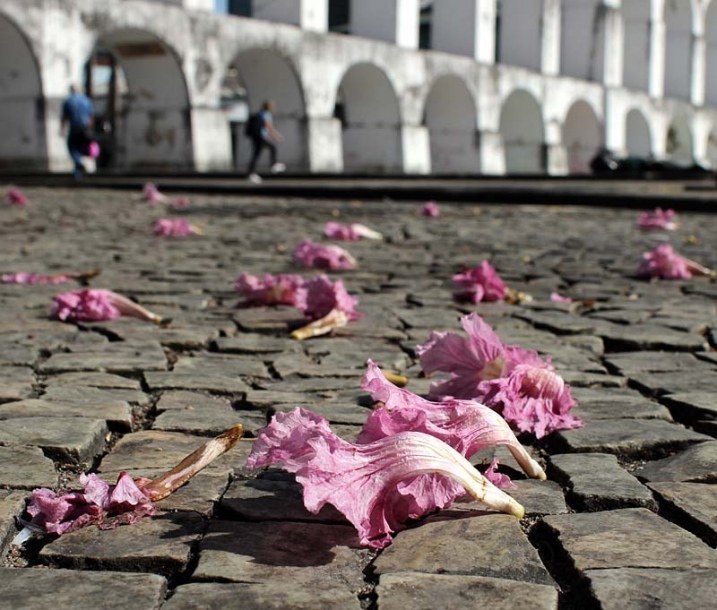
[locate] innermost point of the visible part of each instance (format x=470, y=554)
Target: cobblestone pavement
x=627, y=519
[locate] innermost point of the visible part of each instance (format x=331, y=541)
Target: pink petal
x=84, y=306
x=558, y=298
x=315, y=255
x=151, y=193
x=430, y=209
x=15, y=197
x=658, y=219
x=21, y=277
x=335, y=230
x=173, y=227
x=665, y=263
x=502, y=481
x=319, y=296
x=280, y=289
x=482, y=283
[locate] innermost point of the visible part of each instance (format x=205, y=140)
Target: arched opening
x=678, y=49
x=636, y=58
x=518, y=40
x=711, y=38
x=582, y=137
x=22, y=121
x=582, y=39
x=254, y=77
x=521, y=126
x=638, y=142
x=679, y=142
x=450, y=117
x=141, y=102
x=367, y=107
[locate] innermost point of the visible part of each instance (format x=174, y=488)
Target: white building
x=506, y=85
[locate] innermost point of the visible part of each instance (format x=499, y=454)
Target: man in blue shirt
x=264, y=134
x=77, y=122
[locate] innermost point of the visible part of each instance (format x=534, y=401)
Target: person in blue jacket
x=263, y=134
x=77, y=122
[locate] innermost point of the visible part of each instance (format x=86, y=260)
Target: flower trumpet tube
x=351, y=232
x=665, y=263
x=327, y=303
x=323, y=326
x=97, y=305
x=161, y=487
x=311, y=254
x=373, y=485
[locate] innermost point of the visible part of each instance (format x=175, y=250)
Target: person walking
x=77, y=122
x=263, y=134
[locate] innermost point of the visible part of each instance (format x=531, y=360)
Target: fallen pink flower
x=482, y=283
x=180, y=202
x=311, y=254
x=465, y=425
x=501, y=481
x=431, y=210
x=126, y=501
x=96, y=305
x=326, y=303
x=151, y=194
x=534, y=400
x=282, y=289
x=15, y=197
x=658, y=219
x=21, y=277
x=351, y=232
x=470, y=361
x=376, y=485
x=556, y=297
x=665, y=263
x=174, y=227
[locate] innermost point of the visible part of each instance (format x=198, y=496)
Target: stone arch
x=582, y=39
x=711, y=63
x=368, y=108
x=678, y=49
x=523, y=133
x=519, y=33
x=265, y=74
x=582, y=137
x=636, y=62
x=638, y=141
x=679, y=141
x=450, y=116
x=23, y=143
x=145, y=123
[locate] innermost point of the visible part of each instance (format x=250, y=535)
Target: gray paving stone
x=105, y=381
x=196, y=381
x=117, y=413
x=268, y=320
x=89, y=395
x=596, y=482
x=694, y=504
x=254, y=343
x=117, y=357
x=685, y=382
x=624, y=538
x=655, y=362
x=25, y=468
x=293, y=364
x=430, y=591
x=487, y=545
x=260, y=596
x=647, y=589
x=16, y=383
x=694, y=464
x=39, y=589
x=592, y=380
x=73, y=439
x=12, y=504
x=308, y=555
x=203, y=421
x=221, y=365
x=334, y=412
x=626, y=438
x=161, y=544
x=650, y=337
x=616, y=409
x=691, y=407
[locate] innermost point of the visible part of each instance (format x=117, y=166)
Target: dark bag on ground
x=253, y=126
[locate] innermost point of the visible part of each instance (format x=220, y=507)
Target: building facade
x=365, y=86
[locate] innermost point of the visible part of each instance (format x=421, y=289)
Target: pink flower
x=100, y=503
x=533, y=399
x=658, y=219
x=368, y=483
x=311, y=254
x=352, y=232
x=481, y=283
x=21, y=277
x=431, y=210
x=180, y=202
x=151, y=194
x=665, y=263
x=174, y=227
x=467, y=426
x=96, y=305
x=482, y=356
x=15, y=197
x=502, y=481
x=282, y=289
x=559, y=298
x=326, y=303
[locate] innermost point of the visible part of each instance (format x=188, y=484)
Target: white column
x=550, y=38
x=699, y=67
x=492, y=153
x=465, y=27
x=394, y=21
x=211, y=140
x=613, y=47
x=194, y=5
x=325, y=145
x=415, y=141
x=310, y=15
x=656, y=84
